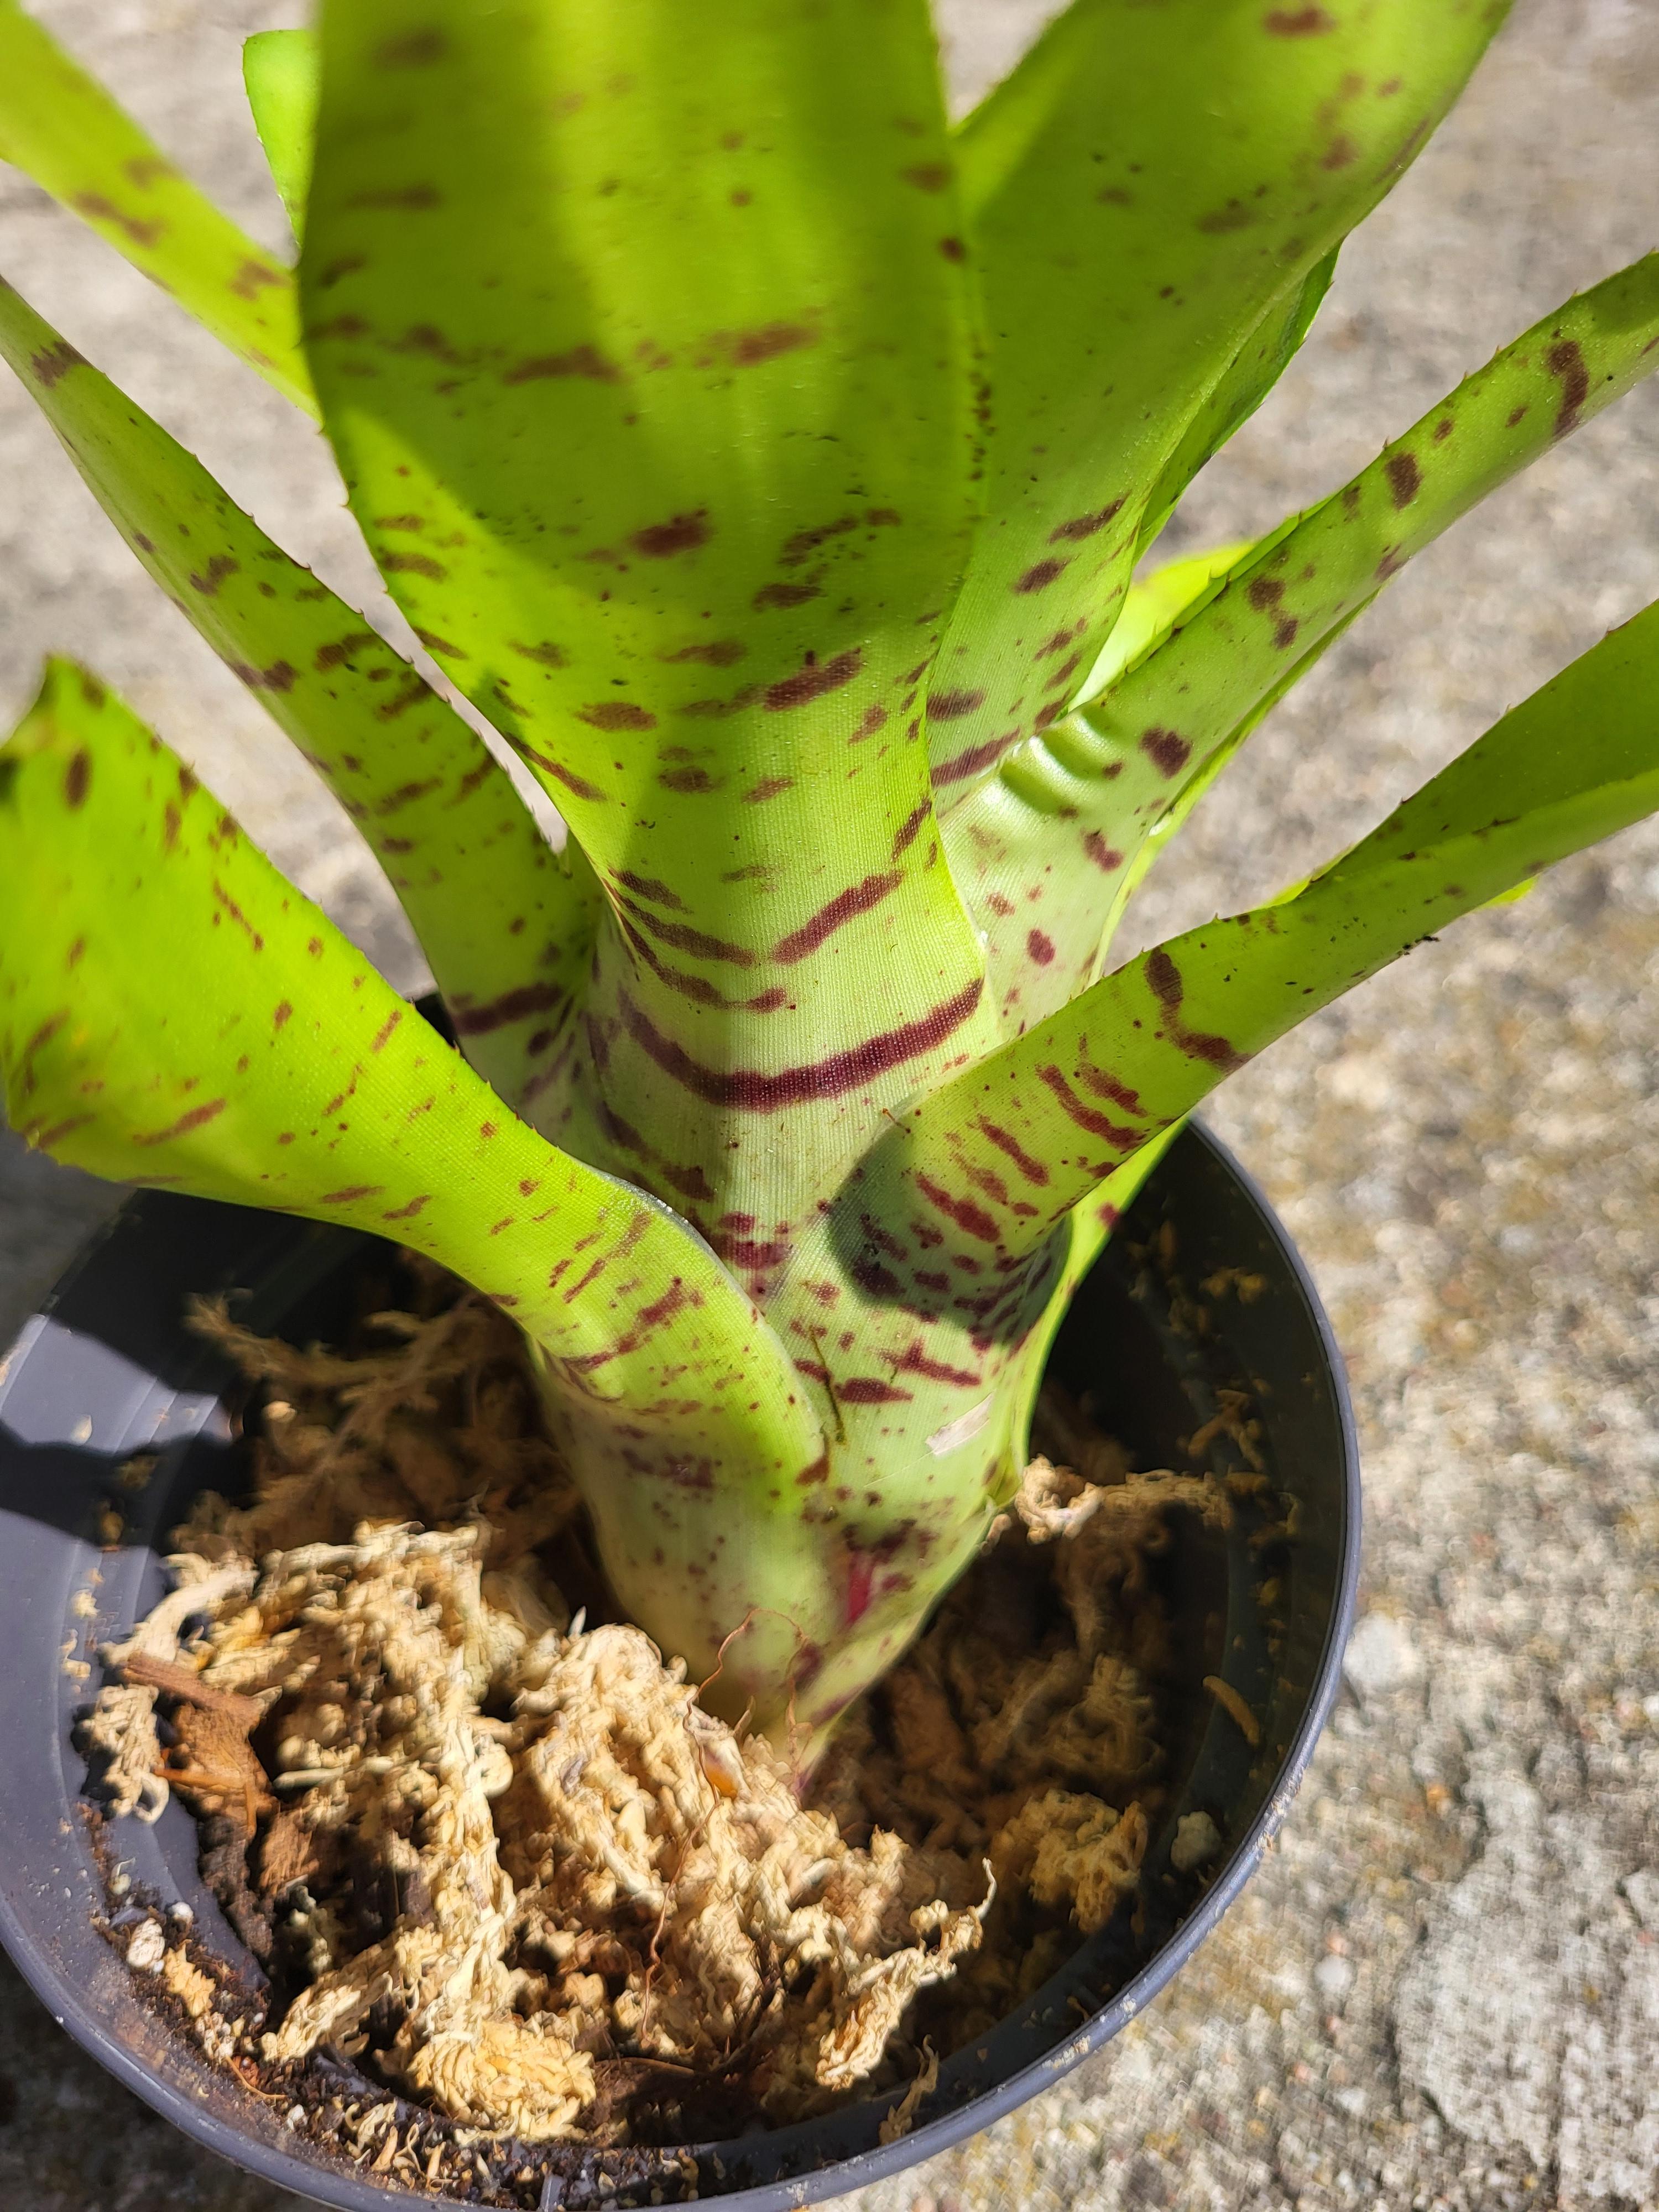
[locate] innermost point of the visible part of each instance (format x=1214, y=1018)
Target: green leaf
x=172, y=1011
x=661, y=435
x=505, y=925
x=1256, y=367
x=1079, y=1094
x=1153, y=193
x=1155, y=603
x=282, y=72
x=62, y=128
x=1069, y=813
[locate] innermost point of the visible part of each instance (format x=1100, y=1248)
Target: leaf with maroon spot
x=463, y=852
x=60, y=126
x=1248, y=632
x=218, y=1034
x=1152, y=213
x=1138, y=1050
x=637, y=357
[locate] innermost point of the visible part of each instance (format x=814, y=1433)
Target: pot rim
x=70, y=2009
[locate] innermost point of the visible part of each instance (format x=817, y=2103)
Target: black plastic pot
x=107, y=1371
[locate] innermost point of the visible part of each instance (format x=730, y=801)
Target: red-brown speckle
x=1168, y=752
x=1405, y=477
x=616, y=714
x=681, y=533
x=951, y=705
x=1040, y=576
x=814, y=681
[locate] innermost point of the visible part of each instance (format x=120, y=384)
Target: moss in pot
x=768, y=467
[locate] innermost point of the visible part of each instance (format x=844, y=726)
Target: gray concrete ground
x=1442, y=1990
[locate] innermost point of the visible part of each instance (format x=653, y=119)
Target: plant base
x=499, y=1861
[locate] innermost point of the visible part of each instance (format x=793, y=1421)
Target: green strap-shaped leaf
x=1001, y=1155
x=1068, y=814
x=505, y=925
x=1152, y=193
x=282, y=70
x=62, y=128
x=662, y=436
x=1257, y=367
x=172, y=1011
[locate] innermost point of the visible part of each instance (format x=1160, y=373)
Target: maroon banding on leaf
x=697, y=988
x=951, y=705
x=756, y=1091
x=690, y=1182
x=1165, y=979
x=1040, y=948
x=1405, y=477
x=195, y=1119
x=54, y=362
x=976, y=758
x=753, y=1258
x=881, y=1238
x=576, y=784
x=1297, y=22
x=279, y=677
x=915, y=1361
x=814, y=680
x=616, y=714
x=856, y=899
x=869, y=1274
x=1105, y=1086
x=1565, y=358
x=649, y=887
x=475, y=1020
x=1086, y=1117
x=681, y=533
x=1040, y=576
x=906, y=834
x=684, y=939
x=1006, y=1141
x=1084, y=525
x=581, y=361
x=747, y=348
x=1168, y=752
x=963, y=1210
x=871, y=1390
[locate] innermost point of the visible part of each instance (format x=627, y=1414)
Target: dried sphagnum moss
x=508, y=1861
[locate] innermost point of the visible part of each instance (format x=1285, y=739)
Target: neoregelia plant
x=767, y=463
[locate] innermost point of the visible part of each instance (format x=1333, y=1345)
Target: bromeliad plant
x=767, y=464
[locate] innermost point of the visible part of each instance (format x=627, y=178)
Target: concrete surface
x=1443, y=1991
